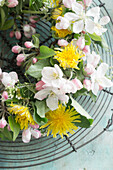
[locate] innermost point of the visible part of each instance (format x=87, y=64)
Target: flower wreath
x=46, y=103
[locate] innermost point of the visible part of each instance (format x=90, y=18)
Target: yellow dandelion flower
x=61, y=33
x=61, y=121
x=23, y=116
x=54, y=3
x=69, y=57
x=57, y=12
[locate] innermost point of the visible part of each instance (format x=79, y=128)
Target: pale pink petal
x=93, y=12
x=95, y=88
x=102, y=69
x=89, y=26
x=77, y=83
x=71, y=16
x=42, y=94
x=78, y=26
x=14, y=76
x=105, y=82
x=104, y=20
x=77, y=8
x=52, y=102
x=36, y=133
x=26, y=135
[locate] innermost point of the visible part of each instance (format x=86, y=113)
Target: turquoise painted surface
x=97, y=155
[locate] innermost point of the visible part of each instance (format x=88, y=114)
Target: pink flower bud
x=81, y=43
x=36, y=126
x=100, y=87
x=18, y=35
x=3, y=123
x=26, y=28
x=28, y=44
x=36, y=133
x=39, y=85
x=8, y=127
x=87, y=84
x=16, y=49
x=11, y=34
x=5, y=95
x=83, y=32
x=12, y=3
x=20, y=58
x=62, y=43
x=86, y=49
x=18, y=63
x=32, y=19
x=89, y=69
x=77, y=83
x=34, y=60
x=87, y=2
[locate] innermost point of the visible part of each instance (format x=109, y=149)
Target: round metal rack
x=46, y=149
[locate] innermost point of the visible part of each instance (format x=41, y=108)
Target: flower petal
x=52, y=102
x=77, y=8
x=26, y=135
x=95, y=88
x=71, y=16
x=42, y=94
x=89, y=26
x=78, y=26
x=104, y=20
x=93, y=12
x=36, y=133
x=102, y=69
x=105, y=82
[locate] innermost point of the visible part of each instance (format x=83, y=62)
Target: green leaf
x=41, y=107
x=36, y=40
x=8, y=24
x=36, y=69
x=87, y=40
x=45, y=52
x=84, y=122
x=15, y=127
x=103, y=43
x=5, y=134
x=93, y=97
x=76, y=36
x=95, y=37
x=2, y=16
x=80, y=110
x=81, y=92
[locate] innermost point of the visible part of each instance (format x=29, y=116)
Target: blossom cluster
x=57, y=74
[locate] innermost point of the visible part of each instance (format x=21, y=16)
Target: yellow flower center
x=61, y=33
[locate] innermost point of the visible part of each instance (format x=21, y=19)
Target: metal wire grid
x=46, y=149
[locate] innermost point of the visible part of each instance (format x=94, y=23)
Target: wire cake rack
x=46, y=149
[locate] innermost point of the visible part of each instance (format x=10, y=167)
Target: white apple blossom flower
x=68, y=3
x=79, y=19
x=98, y=78
x=9, y=79
x=26, y=134
x=98, y=28
x=93, y=59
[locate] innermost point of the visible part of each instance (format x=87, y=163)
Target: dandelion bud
x=5, y=95
x=16, y=49
x=3, y=123
x=18, y=35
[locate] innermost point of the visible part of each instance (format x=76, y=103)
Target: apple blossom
x=87, y=3
x=77, y=83
x=87, y=84
x=68, y=3
x=12, y=3
x=36, y=126
x=80, y=43
x=18, y=63
x=86, y=49
x=16, y=49
x=20, y=58
x=32, y=19
x=9, y=79
x=26, y=134
x=93, y=59
x=18, y=35
x=39, y=85
x=5, y=95
x=3, y=122
x=62, y=43
x=11, y=34
x=34, y=60
x=98, y=78
x=89, y=69
x=29, y=44
x=98, y=28
x=28, y=30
